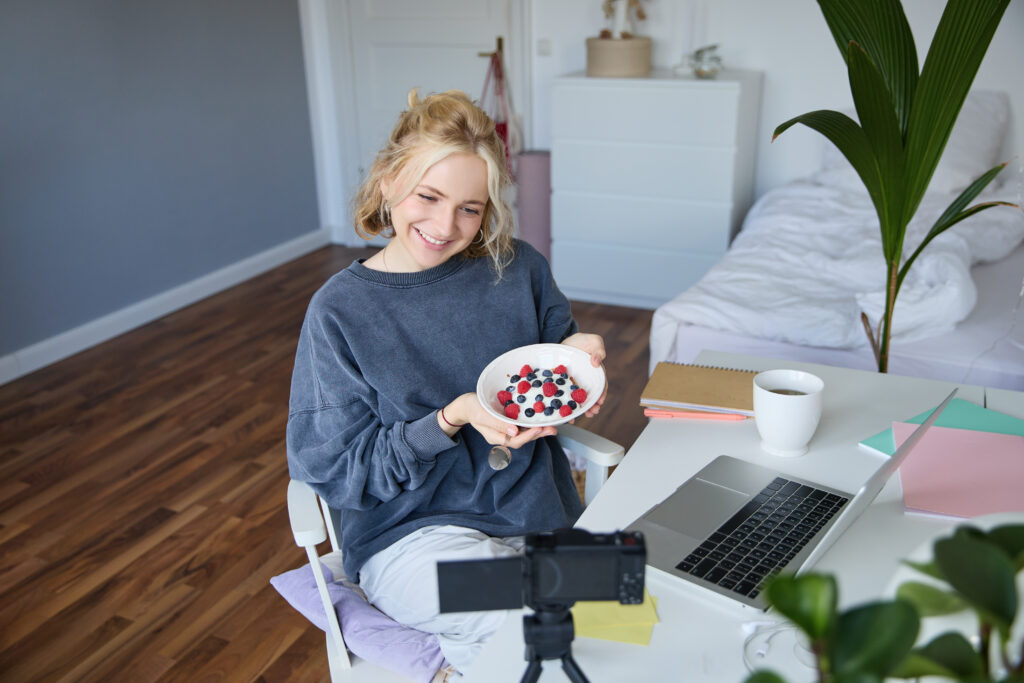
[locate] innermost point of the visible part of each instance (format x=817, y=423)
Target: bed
x=808, y=260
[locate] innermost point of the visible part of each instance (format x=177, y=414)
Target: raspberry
x=538, y=407
x=512, y=411
x=525, y=370
x=504, y=397
x=523, y=387
x=559, y=370
x=579, y=395
x=549, y=388
x=565, y=411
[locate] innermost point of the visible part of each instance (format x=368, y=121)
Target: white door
x=433, y=45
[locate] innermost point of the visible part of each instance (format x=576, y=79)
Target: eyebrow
x=442, y=194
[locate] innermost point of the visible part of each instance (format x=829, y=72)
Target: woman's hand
x=594, y=345
x=466, y=409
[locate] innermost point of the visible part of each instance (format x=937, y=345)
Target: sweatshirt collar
x=414, y=279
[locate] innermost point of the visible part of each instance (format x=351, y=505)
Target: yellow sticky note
x=614, y=621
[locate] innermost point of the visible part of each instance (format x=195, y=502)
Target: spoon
x=499, y=457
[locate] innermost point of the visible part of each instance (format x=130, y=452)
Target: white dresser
x=651, y=178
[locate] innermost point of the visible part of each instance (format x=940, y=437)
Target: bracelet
x=446, y=419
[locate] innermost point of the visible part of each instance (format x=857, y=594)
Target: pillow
x=973, y=147
x=368, y=632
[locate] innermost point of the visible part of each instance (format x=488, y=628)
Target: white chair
x=309, y=529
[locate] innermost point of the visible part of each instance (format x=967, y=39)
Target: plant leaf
x=949, y=655
x=1011, y=539
x=874, y=638
x=955, y=213
x=982, y=574
x=881, y=28
x=929, y=600
x=765, y=676
x=927, y=568
x=956, y=52
x=878, y=121
x=808, y=600
x=846, y=135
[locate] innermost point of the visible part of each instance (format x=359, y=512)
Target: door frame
x=327, y=49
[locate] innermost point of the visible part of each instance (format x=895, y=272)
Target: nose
x=447, y=220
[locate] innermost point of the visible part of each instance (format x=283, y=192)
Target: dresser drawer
x=628, y=219
x=682, y=112
x=629, y=275
x=669, y=172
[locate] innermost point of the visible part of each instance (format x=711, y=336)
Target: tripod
x=548, y=634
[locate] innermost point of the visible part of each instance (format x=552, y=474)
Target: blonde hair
x=431, y=130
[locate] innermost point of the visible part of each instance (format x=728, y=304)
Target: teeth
x=431, y=239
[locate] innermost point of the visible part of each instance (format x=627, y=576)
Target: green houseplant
x=969, y=570
x=906, y=118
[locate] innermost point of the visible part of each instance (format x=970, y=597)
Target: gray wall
x=143, y=144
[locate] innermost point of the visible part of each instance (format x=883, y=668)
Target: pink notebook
x=961, y=472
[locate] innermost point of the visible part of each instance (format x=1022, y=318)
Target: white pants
x=401, y=581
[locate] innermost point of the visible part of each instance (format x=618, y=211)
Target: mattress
x=986, y=348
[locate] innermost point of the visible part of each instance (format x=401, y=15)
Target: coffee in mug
x=787, y=409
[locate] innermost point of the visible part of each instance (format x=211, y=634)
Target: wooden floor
x=142, y=491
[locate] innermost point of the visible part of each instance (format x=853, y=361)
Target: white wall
x=786, y=39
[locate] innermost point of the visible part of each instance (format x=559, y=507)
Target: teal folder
x=959, y=414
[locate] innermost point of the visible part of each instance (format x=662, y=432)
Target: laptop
x=734, y=523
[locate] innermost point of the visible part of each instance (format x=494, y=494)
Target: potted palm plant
x=906, y=118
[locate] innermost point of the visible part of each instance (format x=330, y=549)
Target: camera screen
x=577, y=576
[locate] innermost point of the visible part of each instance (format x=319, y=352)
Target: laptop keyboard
x=763, y=536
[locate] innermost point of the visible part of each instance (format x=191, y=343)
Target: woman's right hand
x=466, y=409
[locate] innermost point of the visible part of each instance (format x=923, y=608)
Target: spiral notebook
x=683, y=386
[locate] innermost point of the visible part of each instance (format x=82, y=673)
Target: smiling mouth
x=431, y=240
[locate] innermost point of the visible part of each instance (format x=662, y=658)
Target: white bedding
x=808, y=261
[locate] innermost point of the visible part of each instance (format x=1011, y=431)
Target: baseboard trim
x=65, y=344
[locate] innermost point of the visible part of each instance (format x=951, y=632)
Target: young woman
x=384, y=422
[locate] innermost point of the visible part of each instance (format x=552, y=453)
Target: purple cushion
x=368, y=632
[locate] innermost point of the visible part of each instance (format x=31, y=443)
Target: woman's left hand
x=594, y=345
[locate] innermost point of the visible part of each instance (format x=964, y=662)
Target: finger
x=531, y=434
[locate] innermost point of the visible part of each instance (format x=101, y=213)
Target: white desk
x=700, y=636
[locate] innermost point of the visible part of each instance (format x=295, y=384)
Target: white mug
x=787, y=408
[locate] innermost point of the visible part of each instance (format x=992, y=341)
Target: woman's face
x=441, y=216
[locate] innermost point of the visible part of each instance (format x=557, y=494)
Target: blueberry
x=538, y=397
x=536, y=383
x=532, y=376
x=573, y=387
x=565, y=374
x=521, y=398
x=549, y=411
x=571, y=404
x=508, y=402
x=556, y=403
x=528, y=412
x=559, y=393
x=513, y=378
x=559, y=381
x=510, y=389
x=546, y=373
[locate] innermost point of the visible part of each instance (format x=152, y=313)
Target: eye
x=470, y=210
x=426, y=197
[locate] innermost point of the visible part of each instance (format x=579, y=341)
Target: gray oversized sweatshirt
x=379, y=354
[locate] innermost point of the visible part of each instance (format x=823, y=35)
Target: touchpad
x=697, y=508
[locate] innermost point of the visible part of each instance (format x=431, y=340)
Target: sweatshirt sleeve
x=553, y=309
x=336, y=441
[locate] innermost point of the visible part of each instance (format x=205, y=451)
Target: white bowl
x=496, y=377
